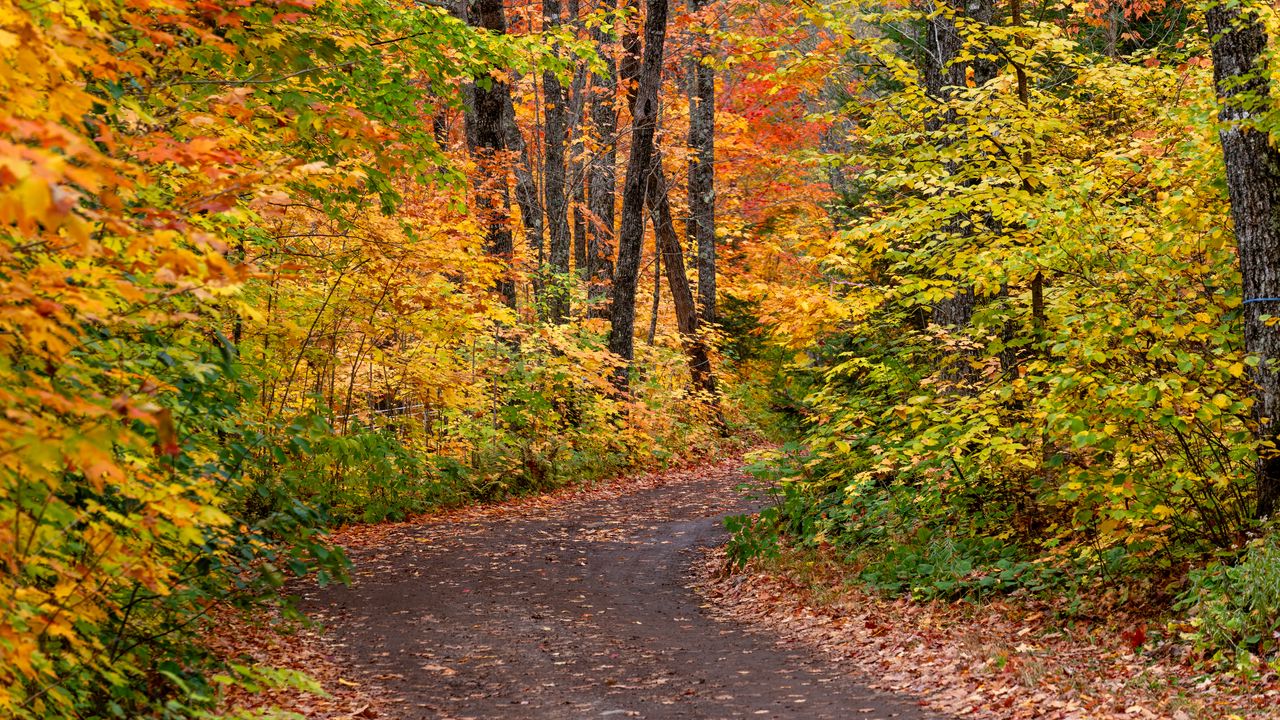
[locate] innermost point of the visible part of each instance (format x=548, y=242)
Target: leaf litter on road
x=1004, y=659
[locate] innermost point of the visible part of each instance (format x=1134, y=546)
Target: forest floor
x=613, y=602
x=1005, y=659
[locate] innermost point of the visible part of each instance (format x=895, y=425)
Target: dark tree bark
x=941, y=44
x=440, y=128
x=578, y=185
x=1253, y=183
x=622, y=313
x=577, y=169
x=469, y=115
x=687, y=319
x=526, y=185
x=1038, y=319
x=629, y=68
x=602, y=180
x=657, y=285
x=702, y=172
x=461, y=9
x=553, y=181
x=942, y=74
x=488, y=145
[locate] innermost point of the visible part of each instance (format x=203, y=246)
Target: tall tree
x=623, y=310
x=629, y=67
x=602, y=179
x=526, y=184
x=1024, y=97
x=461, y=9
x=671, y=255
x=701, y=229
x=553, y=178
x=577, y=169
x=657, y=288
x=489, y=143
x=943, y=74
x=1253, y=183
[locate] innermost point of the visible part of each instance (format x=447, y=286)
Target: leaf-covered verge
x=329, y=689
x=1011, y=657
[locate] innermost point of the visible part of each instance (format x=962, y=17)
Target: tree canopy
x=1000, y=277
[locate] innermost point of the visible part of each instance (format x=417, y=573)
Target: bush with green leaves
x=933, y=565
x=1034, y=354
x=1233, y=608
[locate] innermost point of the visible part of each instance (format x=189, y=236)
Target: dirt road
x=575, y=609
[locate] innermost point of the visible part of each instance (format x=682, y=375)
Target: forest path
x=575, y=608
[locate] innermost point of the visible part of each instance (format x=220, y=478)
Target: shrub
x=1234, y=608
x=932, y=565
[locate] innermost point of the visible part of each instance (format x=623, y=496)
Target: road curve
x=579, y=609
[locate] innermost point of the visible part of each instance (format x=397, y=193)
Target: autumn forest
x=659, y=358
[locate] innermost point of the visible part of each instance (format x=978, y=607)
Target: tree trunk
x=1038, y=319
x=630, y=67
x=440, y=127
x=941, y=75
x=702, y=172
x=461, y=9
x=942, y=43
x=602, y=183
x=488, y=144
x=622, y=313
x=526, y=185
x=578, y=205
x=1253, y=183
x=657, y=285
x=553, y=178
x=678, y=281
x=577, y=170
